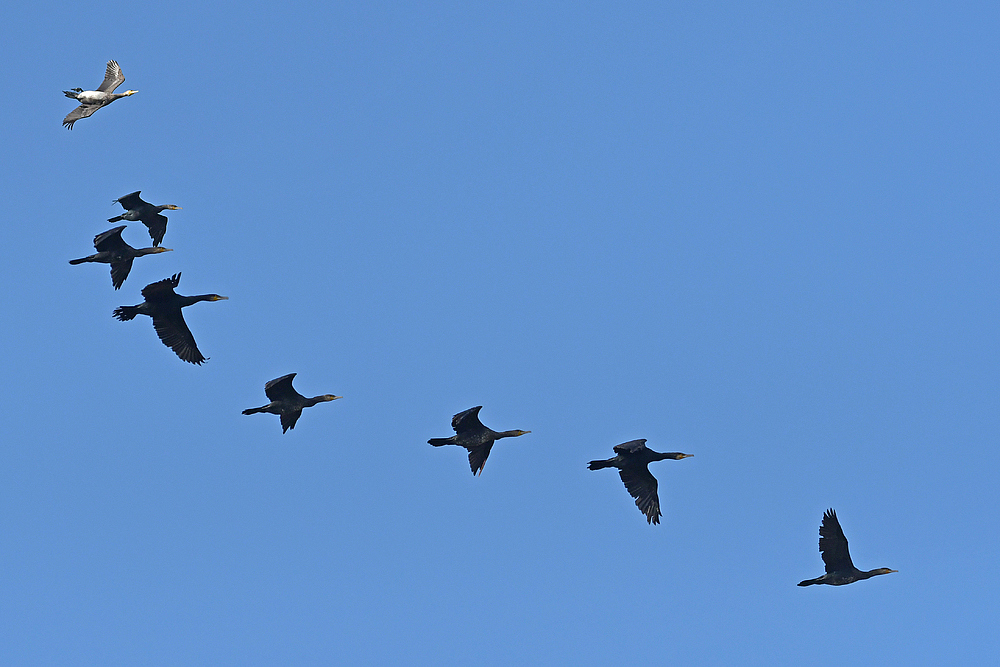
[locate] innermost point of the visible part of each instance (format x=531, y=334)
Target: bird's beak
x=166, y=249
x=331, y=397
x=894, y=570
x=687, y=456
x=220, y=298
x=131, y=92
x=174, y=208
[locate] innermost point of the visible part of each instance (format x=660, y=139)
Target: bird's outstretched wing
x=174, y=333
x=120, y=271
x=833, y=544
x=161, y=289
x=82, y=111
x=130, y=201
x=280, y=389
x=641, y=485
x=157, y=226
x=113, y=78
x=110, y=240
x=288, y=419
x=478, y=456
x=468, y=420
x=630, y=447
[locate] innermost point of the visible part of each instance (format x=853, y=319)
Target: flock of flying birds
x=164, y=305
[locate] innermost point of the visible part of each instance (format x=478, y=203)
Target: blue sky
x=764, y=235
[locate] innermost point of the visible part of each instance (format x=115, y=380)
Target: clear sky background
x=762, y=234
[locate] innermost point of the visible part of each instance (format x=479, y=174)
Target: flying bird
x=840, y=569
x=111, y=249
x=92, y=100
x=286, y=402
x=137, y=210
x=471, y=434
x=632, y=461
x=164, y=306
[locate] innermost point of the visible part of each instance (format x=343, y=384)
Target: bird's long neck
x=188, y=300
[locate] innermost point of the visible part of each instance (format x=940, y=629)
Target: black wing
x=157, y=225
x=478, y=456
x=833, y=544
x=467, y=421
x=131, y=201
x=174, y=332
x=280, y=389
x=120, y=271
x=288, y=418
x=641, y=485
x=630, y=447
x=110, y=240
x=161, y=290
x=82, y=111
x=113, y=78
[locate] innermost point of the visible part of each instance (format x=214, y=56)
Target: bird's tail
x=252, y=411
x=126, y=313
x=598, y=465
x=116, y=218
x=437, y=442
x=70, y=94
x=79, y=261
x=809, y=582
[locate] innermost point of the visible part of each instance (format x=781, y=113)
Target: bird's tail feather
x=808, y=582
x=116, y=218
x=125, y=313
x=598, y=465
x=252, y=411
x=70, y=94
x=79, y=261
x=437, y=442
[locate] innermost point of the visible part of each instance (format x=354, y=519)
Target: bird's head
x=159, y=249
x=517, y=432
x=883, y=570
x=171, y=207
x=678, y=456
x=217, y=297
x=130, y=92
x=329, y=397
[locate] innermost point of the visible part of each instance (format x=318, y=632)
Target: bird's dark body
x=839, y=567
x=632, y=460
x=137, y=210
x=286, y=402
x=471, y=434
x=111, y=249
x=164, y=306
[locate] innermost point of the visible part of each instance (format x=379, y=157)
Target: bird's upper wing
x=833, y=544
x=174, y=332
x=82, y=111
x=113, y=78
x=478, y=456
x=288, y=419
x=641, y=485
x=120, y=271
x=161, y=289
x=630, y=447
x=157, y=225
x=280, y=389
x=467, y=420
x=131, y=200
x=110, y=240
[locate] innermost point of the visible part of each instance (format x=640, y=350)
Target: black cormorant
x=286, y=402
x=92, y=100
x=471, y=434
x=137, y=210
x=164, y=306
x=840, y=569
x=632, y=461
x=111, y=249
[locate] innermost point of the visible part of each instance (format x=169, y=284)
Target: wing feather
x=641, y=485
x=833, y=544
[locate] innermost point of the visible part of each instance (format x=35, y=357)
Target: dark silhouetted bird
x=137, y=210
x=471, y=434
x=840, y=569
x=632, y=461
x=111, y=249
x=164, y=306
x=92, y=100
x=286, y=402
